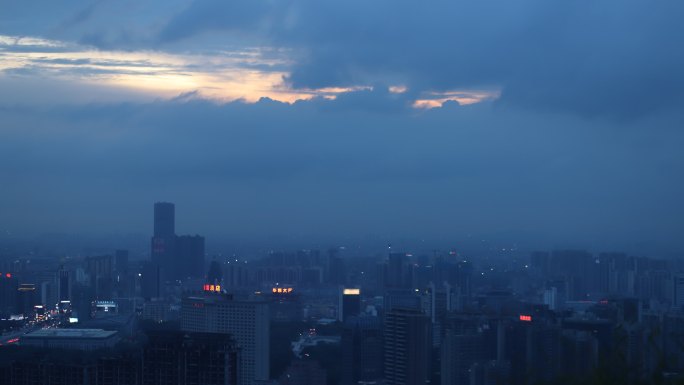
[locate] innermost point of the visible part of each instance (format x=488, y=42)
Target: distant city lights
x=212, y=288
x=281, y=290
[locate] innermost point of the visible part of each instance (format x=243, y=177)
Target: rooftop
x=70, y=333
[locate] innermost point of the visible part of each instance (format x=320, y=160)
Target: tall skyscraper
x=64, y=285
x=178, y=256
x=349, y=303
x=164, y=219
x=408, y=347
x=361, y=350
x=247, y=321
x=101, y=278
x=437, y=303
x=164, y=238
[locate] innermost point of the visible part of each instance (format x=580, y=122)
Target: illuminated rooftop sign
x=281, y=290
x=105, y=305
x=212, y=288
x=351, y=291
x=526, y=318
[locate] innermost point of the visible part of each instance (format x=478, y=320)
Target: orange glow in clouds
x=222, y=76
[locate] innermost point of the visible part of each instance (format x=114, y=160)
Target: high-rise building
x=362, y=356
x=164, y=219
x=179, y=257
x=459, y=353
x=551, y=298
x=164, y=237
x=27, y=298
x=64, y=285
x=436, y=303
x=181, y=358
x=579, y=353
x=349, y=303
x=100, y=272
x=533, y=348
x=398, y=274
x=464, y=277
x=402, y=299
x=247, y=321
x=407, y=347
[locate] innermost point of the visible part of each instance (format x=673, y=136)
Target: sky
x=533, y=120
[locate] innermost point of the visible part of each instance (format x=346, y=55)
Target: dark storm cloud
x=617, y=58
x=237, y=16
x=610, y=57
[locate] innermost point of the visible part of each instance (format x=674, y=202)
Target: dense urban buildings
x=174, y=314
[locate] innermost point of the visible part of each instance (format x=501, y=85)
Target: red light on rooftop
x=526, y=318
x=8, y=275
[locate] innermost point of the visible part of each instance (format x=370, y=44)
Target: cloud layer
x=616, y=58
x=611, y=57
x=574, y=131
x=330, y=167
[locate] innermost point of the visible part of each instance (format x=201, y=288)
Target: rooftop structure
x=80, y=339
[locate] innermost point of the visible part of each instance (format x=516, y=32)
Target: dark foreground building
x=181, y=358
x=22, y=365
x=408, y=344
x=167, y=357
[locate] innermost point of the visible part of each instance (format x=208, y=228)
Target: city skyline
x=341, y=316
